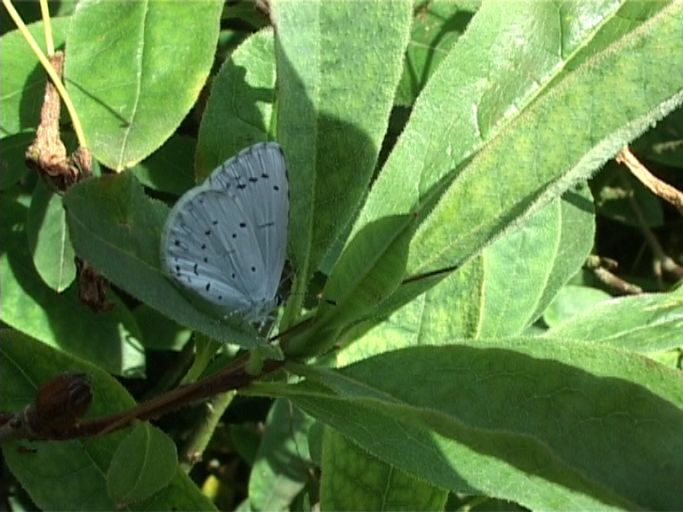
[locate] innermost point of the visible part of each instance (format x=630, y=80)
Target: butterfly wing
x=226, y=239
x=258, y=178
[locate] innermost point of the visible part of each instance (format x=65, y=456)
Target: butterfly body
x=226, y=239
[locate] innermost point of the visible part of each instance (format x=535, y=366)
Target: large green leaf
x=23, y=80
x=352, y=479
x=572, y=300
x=281, y=466
x=331, y=132
x=117, y=229
x=498, y=293
x=239, y=110
x=545, y=146
x=71, y=475
x=145, y=461
x=169, y=169
x=134, y=70
x=663, y=143
x=643, y=323
x=109, y=339
x=437, y=25
x=550, y=424
x=159, y=332
x=492, y=192
x=48, y=239
x=482, y=69
x=524, y=270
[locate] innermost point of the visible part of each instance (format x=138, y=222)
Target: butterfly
x=226, y=239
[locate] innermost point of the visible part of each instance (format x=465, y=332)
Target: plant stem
x=231, y=378
x=47, y=27
x=202, y=434
x=21, y=26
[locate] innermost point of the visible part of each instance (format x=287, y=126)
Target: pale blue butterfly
x=226, y=239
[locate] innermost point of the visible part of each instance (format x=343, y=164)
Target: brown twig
x=656, y=186
x=616, y=283
x=231, y=378
x=662, y=261
x=601, y=268
x=47, y=153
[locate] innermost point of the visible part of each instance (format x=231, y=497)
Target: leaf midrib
x=139, y=60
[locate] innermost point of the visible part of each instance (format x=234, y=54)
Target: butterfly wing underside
x=227, y=239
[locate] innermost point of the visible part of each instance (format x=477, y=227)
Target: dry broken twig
x=657, y=186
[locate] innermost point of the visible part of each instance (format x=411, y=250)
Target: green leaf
x=159, y=332
x=484, y=179
x=548, y=423
x=320, y=47
x=282, y=464
x=169, y=169
x=492, y=191
x=621, y=197
x=642, y=323
x=134, y=70
x=315, y=442
x=145, y=461
x=662, y=144
x=360, y=282
x=70, y=475
x=239, y=110
x=437, y=25
x=573, y=245
x=523, y=270
x=48, y=239
x=473, y=73
x=572, y=300
x=12, y=162
x=245, y=438
x=109, y=339
x=23, y=88
x=352, y=479
x=500, y=292
x=117, y=229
